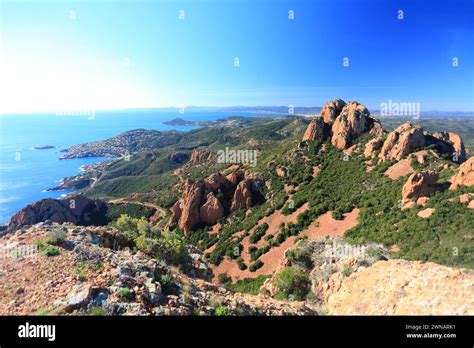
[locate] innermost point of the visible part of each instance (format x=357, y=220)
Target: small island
x=46, y=147
x=181, y=122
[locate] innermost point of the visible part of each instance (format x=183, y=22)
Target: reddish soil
x=325, y=225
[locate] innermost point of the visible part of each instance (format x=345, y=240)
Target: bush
x=259, y=233
x=224, y=278
x=221, y=311
x=249, y=285
x=300, y=256
x=256, y=265
x=126, y=294
x=49, y=251
x=293, y=283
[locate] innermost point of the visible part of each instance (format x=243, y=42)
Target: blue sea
x=25, y=172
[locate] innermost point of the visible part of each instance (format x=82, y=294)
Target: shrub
x=96, y=311
x=256, y=265
x=221, y=311
x=259, y=233
x=50, y=251
x=249, y=285
x=347, y=271
x=224, y=278
x=300, y=256
x=126, y=294
x=292, y=281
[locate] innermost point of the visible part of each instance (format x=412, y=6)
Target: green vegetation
x=165, y=245
x=96, y=311
x=249, y=285
x=221, y=311
x=256, y=265
x=49, y=251
x=114, y=211
x=224, y=278
x=293, y=283
x=259, y=233
x=126, y=294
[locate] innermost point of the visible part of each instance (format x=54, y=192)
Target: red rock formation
x=215, y=181
x=402, y=141
x=353, y=121
x=200, y=156
x=315, y=130
x=190, y=205
x=235, y=177
x=200, y=203
x=420, y=185
x=331, y=110
x=211, y=211
x=456, y=141
x=372, y=146
x=464, y=176
x=242, y=196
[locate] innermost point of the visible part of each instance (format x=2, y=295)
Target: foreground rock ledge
x=399, y=287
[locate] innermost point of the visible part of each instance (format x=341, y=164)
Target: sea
x=26, y=173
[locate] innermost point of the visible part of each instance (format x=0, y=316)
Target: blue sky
x=58, y=55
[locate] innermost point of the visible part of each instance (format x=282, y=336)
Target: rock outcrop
x=459, y=151
x=331, y=110
x=343, y=123
x=186, y=210
x=407, y=138
x=242, y=196
x=464, y=176
x=207, y=201
x=399, y=287
x=200, y=156
x=78, y=210
x=211, y=211
x=315, y=130
x=420, y=185
x=235, y=177
x=372, y=146
x=353, y=121
x=402, y=141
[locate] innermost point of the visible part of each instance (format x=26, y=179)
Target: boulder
x=242, y=196
x=215, y=181
x=464, y=176
x=402, y=141
x=420, y=185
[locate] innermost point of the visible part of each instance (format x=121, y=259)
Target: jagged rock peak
x=331, y=110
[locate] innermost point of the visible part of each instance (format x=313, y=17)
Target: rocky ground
x=80, y=275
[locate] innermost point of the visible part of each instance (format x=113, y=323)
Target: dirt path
x=160, y=212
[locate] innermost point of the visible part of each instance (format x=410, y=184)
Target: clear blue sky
x=118, y=54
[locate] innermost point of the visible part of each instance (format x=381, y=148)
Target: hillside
x=248, y=192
